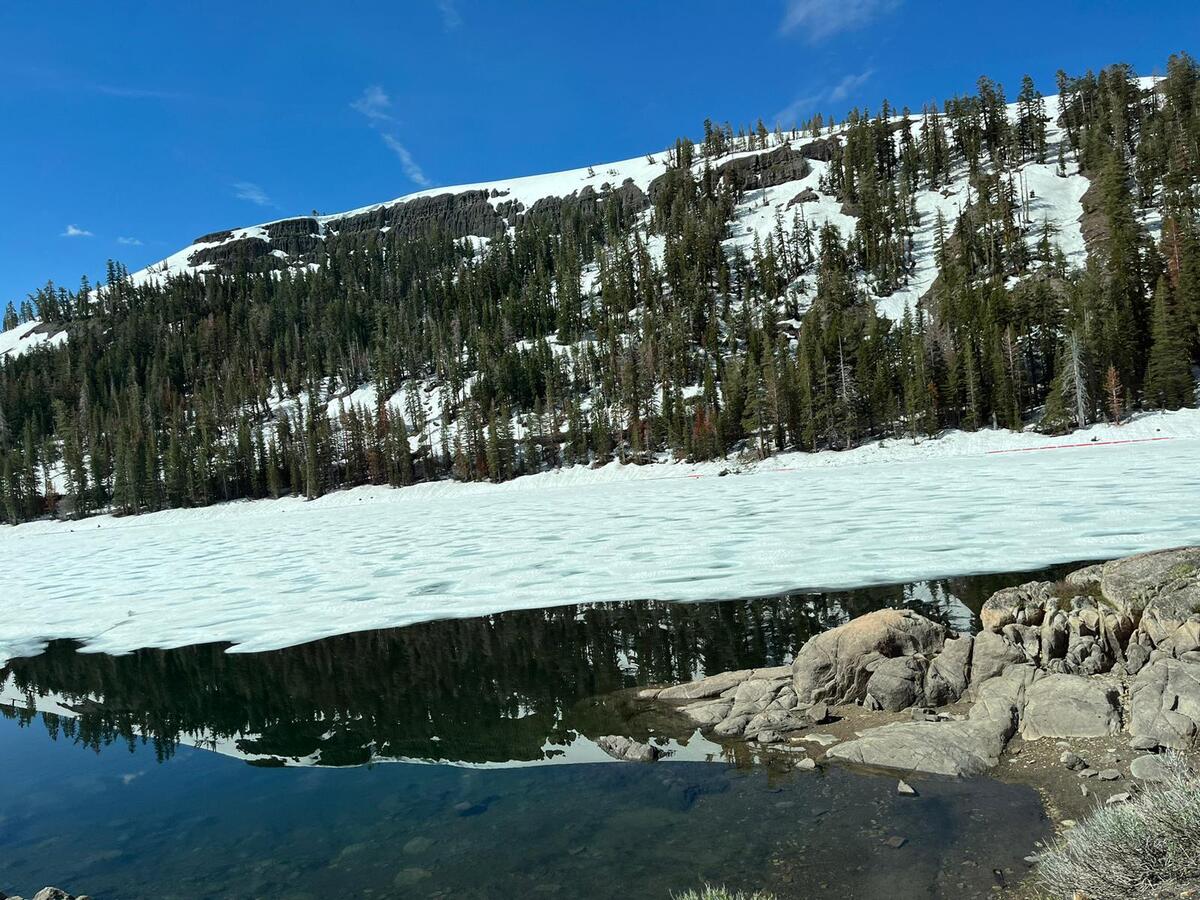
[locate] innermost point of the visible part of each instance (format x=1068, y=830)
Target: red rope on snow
x=1083, y=444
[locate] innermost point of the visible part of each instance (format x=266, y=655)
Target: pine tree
x=1169, y=382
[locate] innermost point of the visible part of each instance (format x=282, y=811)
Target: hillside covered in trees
x=975, y=264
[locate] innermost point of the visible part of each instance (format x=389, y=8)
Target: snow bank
x=271, y=574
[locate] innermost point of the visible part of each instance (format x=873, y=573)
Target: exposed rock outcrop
x=587, y=205
x=230, y=255
x=295, y=237
x=460, y=214
x=808, y=195
x=966, y=747
x=822, y=149
x=457, y=214
x=1052, y=661
x=1164, y=703
x=1102, y=616
x=762, y=170
x=1061, y=706
x=836, y=666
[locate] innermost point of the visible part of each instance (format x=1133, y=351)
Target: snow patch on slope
x=26, y=337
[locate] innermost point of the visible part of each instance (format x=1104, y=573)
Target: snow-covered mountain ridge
x=772, y=196
x=477, y=212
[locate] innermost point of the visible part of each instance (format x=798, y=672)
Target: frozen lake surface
x=276, y=573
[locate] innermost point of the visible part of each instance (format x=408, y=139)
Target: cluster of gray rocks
x=48, y=893
x=1113, y=648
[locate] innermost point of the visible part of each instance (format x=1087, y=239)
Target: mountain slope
x=893, y=275
x=483, y=209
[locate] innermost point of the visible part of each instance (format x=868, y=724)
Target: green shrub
x=1132, y=850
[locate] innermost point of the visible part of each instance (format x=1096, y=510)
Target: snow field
x=271, y=574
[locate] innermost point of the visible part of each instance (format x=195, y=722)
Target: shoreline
x=1072, y=688
x=1142, y=428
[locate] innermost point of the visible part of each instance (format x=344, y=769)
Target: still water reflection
x=148, y=815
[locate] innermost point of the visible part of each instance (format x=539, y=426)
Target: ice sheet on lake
x=277, y=573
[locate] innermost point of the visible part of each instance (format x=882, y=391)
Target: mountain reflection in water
x=504, y=698
x=512, y=687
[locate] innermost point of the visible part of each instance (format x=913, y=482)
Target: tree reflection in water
x=491, y=689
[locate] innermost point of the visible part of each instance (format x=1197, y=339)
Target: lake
x=457, y=759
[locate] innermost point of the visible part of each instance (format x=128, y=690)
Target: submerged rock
x=627, y=749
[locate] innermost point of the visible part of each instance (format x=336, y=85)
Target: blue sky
x=130, y=128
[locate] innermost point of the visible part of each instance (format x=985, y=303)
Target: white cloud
x=375, y=104
x=450, y=15
x=848, y=85
x=129, y=242
x=819, y=19
x=411, y=169
x=75, y=231
x=248, y=190
x=810, y=101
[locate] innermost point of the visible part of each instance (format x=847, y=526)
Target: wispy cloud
x=820, y=19
x=135, y=93
x=75, y=231
x=848, y=85
x=376, y=106
x=407, y=163
x=808, y=102
x=129, y=242
x=251, y=192
x=451, y=18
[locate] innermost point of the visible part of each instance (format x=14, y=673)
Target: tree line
x=574, y=339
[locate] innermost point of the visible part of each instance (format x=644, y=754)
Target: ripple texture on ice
x=276, y=573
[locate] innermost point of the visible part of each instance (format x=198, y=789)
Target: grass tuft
x=709, y=892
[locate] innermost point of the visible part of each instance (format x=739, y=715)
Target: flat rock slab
x=959, y=748
x=708, y=712
x=936, y=748
x=1148, y=768
x=825, y=740
x=715, y=685
x=1066, y=706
